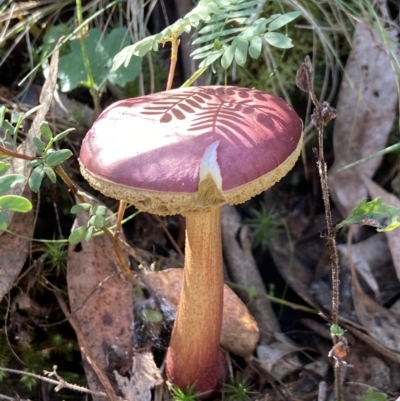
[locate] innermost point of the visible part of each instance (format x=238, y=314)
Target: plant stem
x=174, y=58
x=193, y=78
x=113, y=238
x=322, y=114
x=12, y=153
x=86, y=63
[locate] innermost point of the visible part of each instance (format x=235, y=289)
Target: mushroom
x=189, y=151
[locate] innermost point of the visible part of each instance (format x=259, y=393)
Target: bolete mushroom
x=189, y=151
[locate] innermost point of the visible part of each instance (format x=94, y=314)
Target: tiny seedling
x=265, y=225
x=238, y=390
x=189, y=395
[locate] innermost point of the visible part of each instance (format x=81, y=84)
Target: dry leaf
x=240, y=333
x=367, y=109
x=13, y=249
x=100, y=299
x=382, y=324
x=279, y=358
x=393, y=237
x=243, y=270
x=368, y=256
x=145, y=376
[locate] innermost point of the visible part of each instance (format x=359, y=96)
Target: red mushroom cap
x=189, y=149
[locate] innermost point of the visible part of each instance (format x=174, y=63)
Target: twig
x=4, y=397
x=59, y=383
x=322, y=114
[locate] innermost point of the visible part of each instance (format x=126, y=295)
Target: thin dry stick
x=322, y=114
x=59, y=383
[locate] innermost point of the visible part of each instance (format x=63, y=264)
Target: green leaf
x=32, y=110
x=2, y=114
x=4, y=167
x=241, y=52
x=255, y=47
x=51, y=174
x=35, y=180
x=3, y=221
x=16, y=117
x=283, y=20
x=213, y=7
x=10, y=181
x=151, y=316
x=97, y=221
x=100, y=51
x=80, y=208
x=34, y=163
x=57, y=157
x=89, y=233
x=337, y=330
x=99, y=210
x=227, y=58
x=40, y=145
x=8, y=128
x=77, y=235
x=46, y=131
x=375, y=214
x=278, y=40
x=372, y=395
x=15, y=203
x=211, y=58
x=63, y=134
x=51, y=38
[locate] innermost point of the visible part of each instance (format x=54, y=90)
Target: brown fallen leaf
x=382, y=324
x=393, y=237
x=13, y=249
x=240, y=332
x=243, y=270
x=367, y=109
x=100, y=300
x=368, y=256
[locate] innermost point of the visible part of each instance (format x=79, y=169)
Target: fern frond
x=230, y=31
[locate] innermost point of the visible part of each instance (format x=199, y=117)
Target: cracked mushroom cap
x=191, y=149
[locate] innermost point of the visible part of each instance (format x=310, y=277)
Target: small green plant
x=96, y=221
x=56, y=257
x=238, y=390
x=372, y=395
x=226, y=30
x=189, y=395
x=11, y=202
x=49, y=158
x=337, y=331
x=375, y=214
x=266, y=225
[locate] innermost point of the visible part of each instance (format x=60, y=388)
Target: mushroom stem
x=194, y=356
